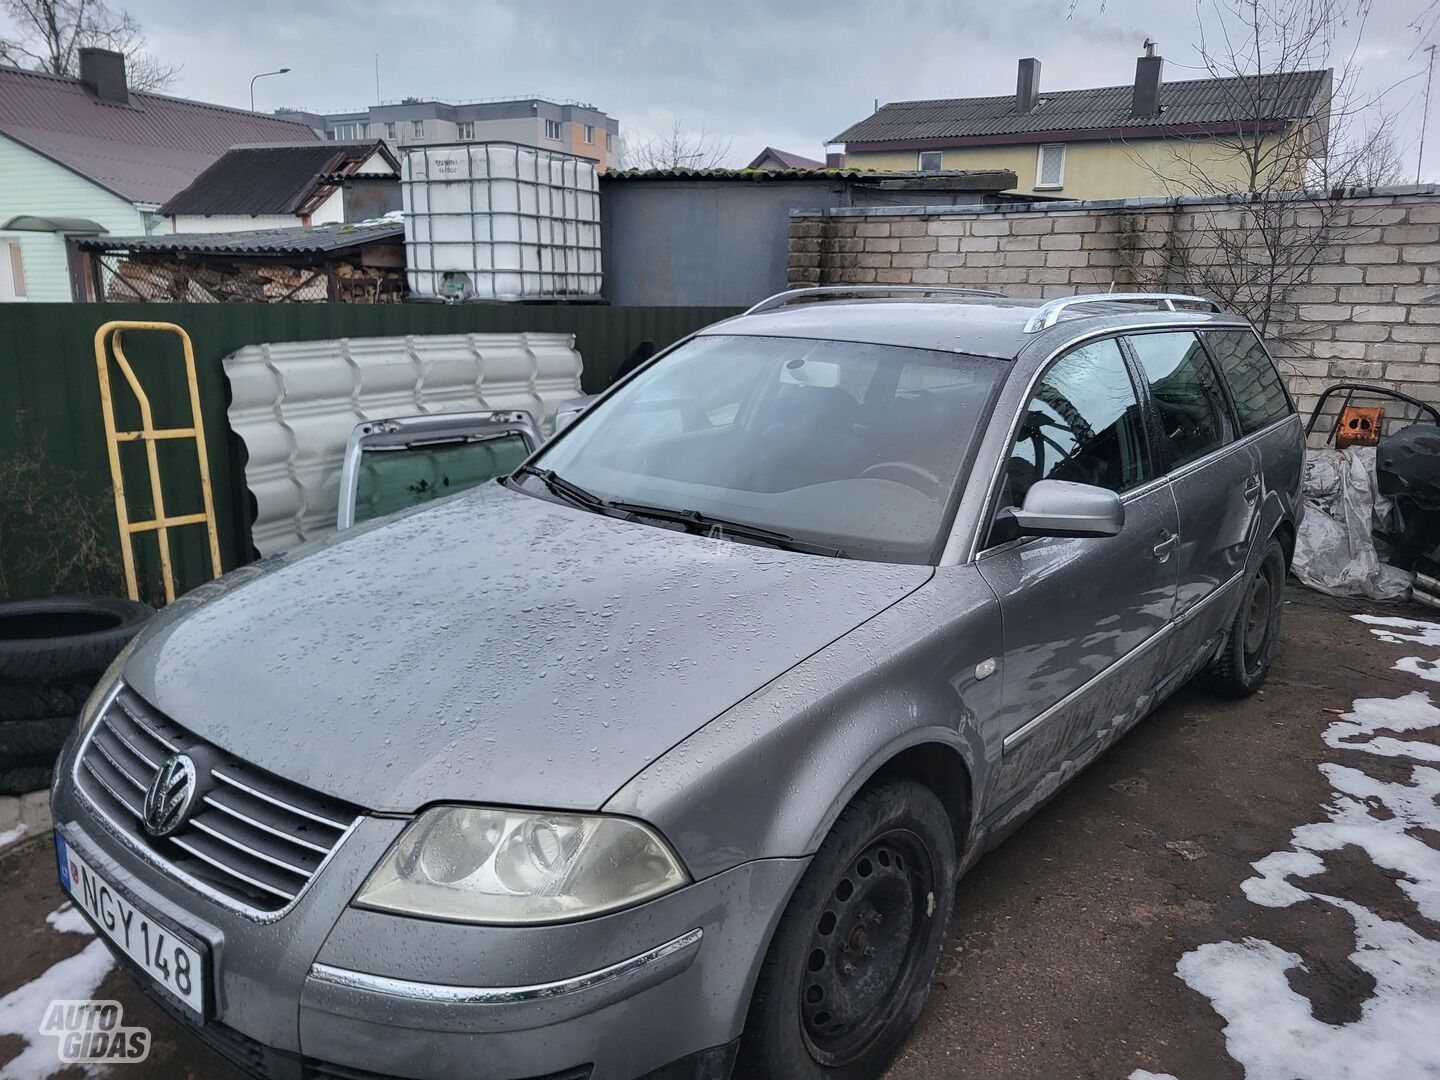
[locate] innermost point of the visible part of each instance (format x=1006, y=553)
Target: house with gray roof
x=1146, y=137
x=87, y=156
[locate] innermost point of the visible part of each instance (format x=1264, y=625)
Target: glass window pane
x=398, y=478
x=1082, y=425
x=847, y=445
x=1187, y=394
x=1254, y=383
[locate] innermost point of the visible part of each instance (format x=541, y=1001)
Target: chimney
x=1148, y=69
x=103, y=71
x=1027, y=85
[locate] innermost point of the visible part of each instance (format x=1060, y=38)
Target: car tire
x=24, y=779
x=65, y=637
x=852, y=959
x=34, y=742
x=31, y=701
x=1250, y=644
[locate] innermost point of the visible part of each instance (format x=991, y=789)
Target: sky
x=788, y=73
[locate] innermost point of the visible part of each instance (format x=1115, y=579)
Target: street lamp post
x=280, y=71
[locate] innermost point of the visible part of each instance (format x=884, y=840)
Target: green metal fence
x=52, y=447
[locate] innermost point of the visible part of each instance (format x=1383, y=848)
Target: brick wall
x=1366, y=306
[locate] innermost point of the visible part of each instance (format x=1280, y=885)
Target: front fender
x=767, y=778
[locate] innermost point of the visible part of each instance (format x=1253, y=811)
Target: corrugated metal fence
x=50, y=409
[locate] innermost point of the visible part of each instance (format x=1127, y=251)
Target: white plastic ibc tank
x=500, y=221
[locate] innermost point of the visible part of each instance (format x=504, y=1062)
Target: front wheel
x=852, y=960
x=1250, y=645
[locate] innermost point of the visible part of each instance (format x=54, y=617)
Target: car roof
x=993, y=326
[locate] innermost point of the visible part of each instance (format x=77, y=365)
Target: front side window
x=1188, y=398
x=849, y=446
x=1083, y=424
x=1050, y=166
x=930, y=160
x=1254, y=383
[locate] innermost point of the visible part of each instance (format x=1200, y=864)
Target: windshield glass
x=856, y=447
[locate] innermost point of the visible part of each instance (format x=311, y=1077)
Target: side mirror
x=1060, y=508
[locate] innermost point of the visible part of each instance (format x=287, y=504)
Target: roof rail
x=1049, y=315
x=836, y=292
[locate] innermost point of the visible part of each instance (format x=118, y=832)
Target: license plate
x=177, y=966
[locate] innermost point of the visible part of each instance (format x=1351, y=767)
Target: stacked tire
x=52, y=652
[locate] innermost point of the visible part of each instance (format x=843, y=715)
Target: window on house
x=466, y=129
x=552, y=129
x=1050, y=166
x=12, y=271
x=417, y=128
x=589, y=133
x=930, y=160
x=609, y=144
x=347, y=132
x=390, y=131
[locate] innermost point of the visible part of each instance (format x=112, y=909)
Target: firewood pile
x=247, y=281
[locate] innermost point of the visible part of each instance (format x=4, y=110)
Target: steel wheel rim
x=866, y=947
x=1257, y=617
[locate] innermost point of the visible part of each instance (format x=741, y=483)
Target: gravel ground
x=1063, y=960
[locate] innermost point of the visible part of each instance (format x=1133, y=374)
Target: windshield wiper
x=573, y=493
x=697, y=521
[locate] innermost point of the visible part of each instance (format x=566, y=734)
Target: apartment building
x=571, y=127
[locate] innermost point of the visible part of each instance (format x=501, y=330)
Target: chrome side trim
x=1024, y=731
x=443, y=994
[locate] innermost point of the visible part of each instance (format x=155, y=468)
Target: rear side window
x=1083, y=425
x=1187, y=393
x=1254, y=383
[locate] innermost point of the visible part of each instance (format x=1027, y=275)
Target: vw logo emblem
x=171, y=796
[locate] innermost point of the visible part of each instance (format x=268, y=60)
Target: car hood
x=493, y=647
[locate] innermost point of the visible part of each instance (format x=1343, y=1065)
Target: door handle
x=1166, y=545
x=1252, y=488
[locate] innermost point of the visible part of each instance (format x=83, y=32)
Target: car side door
x=1216, y=484
x=1080, y=617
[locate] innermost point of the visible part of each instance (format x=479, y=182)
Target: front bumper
x=326, y=990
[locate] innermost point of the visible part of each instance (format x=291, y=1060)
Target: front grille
x=256, y=838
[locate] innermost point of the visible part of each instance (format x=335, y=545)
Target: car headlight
x=485, y=865
x=104, y=687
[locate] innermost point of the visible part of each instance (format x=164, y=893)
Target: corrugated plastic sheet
x=294, y=405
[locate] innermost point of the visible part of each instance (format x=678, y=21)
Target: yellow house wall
x=1093, y=170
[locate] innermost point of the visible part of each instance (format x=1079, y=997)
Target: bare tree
x=1293, y=141
x=49, y=34
x=678, y=148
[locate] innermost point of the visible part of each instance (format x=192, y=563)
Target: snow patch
x=9, y=836
x=1399, y=631
x=68, y=920
x=74, y=978
x=1269, y=1028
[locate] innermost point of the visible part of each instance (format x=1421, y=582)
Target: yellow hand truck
x=111, y=334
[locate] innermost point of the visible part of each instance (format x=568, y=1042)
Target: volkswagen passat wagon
x=663, y=755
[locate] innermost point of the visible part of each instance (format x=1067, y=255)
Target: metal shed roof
x=317, y=239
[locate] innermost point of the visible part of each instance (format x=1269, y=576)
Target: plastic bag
x=1334, y=550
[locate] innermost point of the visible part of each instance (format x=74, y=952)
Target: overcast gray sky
x=785, y=74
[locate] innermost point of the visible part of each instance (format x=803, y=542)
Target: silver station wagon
x=662, y=756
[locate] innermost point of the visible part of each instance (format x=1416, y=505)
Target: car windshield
x=851, y=446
